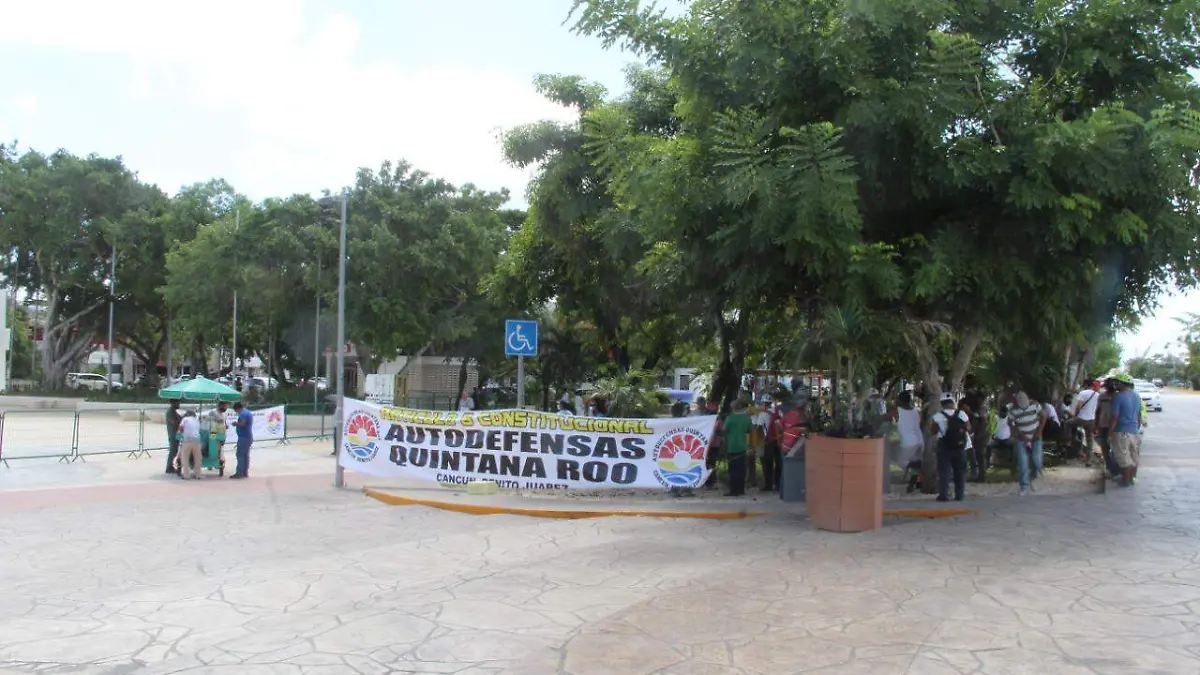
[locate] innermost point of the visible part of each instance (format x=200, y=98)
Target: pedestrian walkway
x=287, y=575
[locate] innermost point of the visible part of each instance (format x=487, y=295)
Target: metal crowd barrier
x=71, y=436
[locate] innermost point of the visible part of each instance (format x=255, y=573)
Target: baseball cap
x=947, y=397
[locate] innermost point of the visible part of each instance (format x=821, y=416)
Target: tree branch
x=62, y=325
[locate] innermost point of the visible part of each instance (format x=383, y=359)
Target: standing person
x=1002, y=439
x=1027, y=419
x=908, y=422
x=337, y=429
x=771, y=462
x=736, y=432
x=1083, y=415
x=244, y=424
x=189, y=453
x=761, y=420
x=754, y=441
x=579, y=409
x=465, y=403
x=978, y=455
x=1126, y=423
x=716, y=446
x=564, y=408
x=173, y=417
x=1104, y=427
x=953, y=429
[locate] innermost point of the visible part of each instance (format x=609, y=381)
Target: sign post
x=520, y=340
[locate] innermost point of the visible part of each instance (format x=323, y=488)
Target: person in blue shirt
x=244, y=424
x=1126, y=413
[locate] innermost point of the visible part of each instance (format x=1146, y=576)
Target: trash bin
x=791, y=480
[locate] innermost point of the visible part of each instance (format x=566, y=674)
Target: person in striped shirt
x=1026, y=418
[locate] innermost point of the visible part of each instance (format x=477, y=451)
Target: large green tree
x=577, y=248
x=59, y=218
x=418, y=251
x=1013, y=169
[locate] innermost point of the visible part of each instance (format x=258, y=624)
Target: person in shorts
x=1126, y=412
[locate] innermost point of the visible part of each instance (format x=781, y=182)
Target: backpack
x=955, y=437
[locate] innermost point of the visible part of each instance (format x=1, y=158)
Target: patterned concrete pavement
x=285, y=575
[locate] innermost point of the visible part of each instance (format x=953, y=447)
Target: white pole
x=6, y=333
x=237, y=225
x=170, y=349
x=112, y=295
x=521, y=382
x=5, y=323
x=339, y=476
x=317, y=338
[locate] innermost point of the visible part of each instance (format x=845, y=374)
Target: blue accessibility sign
x=520, y=338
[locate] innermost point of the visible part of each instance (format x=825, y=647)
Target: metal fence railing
x=69, y=435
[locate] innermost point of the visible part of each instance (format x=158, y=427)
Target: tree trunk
x=932, y=380
x=65, y=341
x=368, y=360
x=962, y=358
x=727, y=381
x=462, y=378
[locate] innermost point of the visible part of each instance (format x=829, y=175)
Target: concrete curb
x=480, y=509
x=492, y=510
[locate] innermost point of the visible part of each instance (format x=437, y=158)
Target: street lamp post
x=317, y=338
x=112, y=293
x=339, y=474
x=237, y=226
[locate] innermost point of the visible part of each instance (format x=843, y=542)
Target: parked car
x=264, y=383
x=90, y=382
x=1150, y=395
x=1158, y=383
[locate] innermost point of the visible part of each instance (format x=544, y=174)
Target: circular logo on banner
x=360, y=436
x=679, y=458
x=275, y=422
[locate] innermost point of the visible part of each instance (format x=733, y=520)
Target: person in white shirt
x=1083, y=415
x=952, y=448
x=189, y=451
x=908, y=422
x=465, y=403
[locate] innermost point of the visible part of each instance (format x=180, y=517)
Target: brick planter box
x=844, y=481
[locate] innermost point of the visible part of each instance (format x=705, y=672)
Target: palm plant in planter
x=849, y=339
x=844, y=461
x=631, y=394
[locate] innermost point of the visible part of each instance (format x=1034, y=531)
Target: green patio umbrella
x=199, y=389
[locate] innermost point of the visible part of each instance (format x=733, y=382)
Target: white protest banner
x=269, y=423
x=522, y=449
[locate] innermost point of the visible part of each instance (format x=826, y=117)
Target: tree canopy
x=943, y=192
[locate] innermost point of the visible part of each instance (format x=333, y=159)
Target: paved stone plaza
x=111, y=568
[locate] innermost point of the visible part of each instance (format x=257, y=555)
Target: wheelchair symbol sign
x=520, y=338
